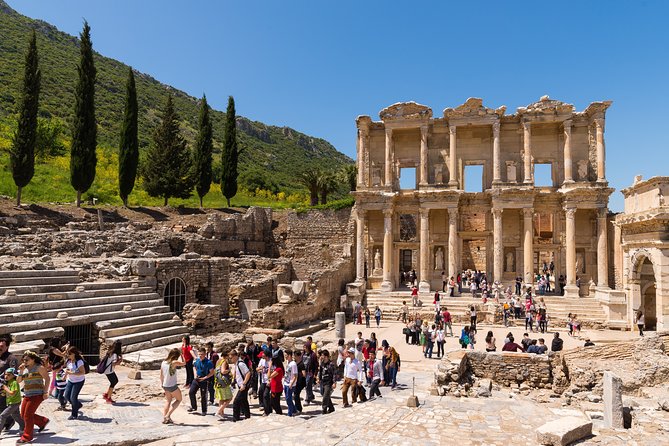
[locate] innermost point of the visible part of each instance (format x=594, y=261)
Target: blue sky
x=315, y=66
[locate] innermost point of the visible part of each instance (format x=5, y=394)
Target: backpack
x=87, y=367
x=102, y=365
x=221, y=380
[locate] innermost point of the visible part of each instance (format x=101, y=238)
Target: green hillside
x=273, y=153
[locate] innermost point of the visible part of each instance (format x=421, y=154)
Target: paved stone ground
x=503, y=419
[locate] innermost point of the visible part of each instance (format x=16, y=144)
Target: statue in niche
x=580, y=264
x=438, y=174
x=508, y=267
x=439, y=259
x=377, y=260
x=582, y=170
x=511, y=172
x=376, y=175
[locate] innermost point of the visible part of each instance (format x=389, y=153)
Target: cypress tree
x=202, y=155
x=128, y=156
x=83, y=158
x=167, y=171
x=230, y=153
x=22, y=153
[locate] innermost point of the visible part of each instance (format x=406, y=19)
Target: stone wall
x=511, y=368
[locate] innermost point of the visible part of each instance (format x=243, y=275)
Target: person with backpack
x=106, y=367
x=253, y=353
x=311, y=369
x=75, y=371
x=263, y=381
x=204, y=371
x=240, y=403
x=222, y=385
x=327, y=379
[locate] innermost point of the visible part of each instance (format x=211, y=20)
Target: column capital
x=497, y=212
x=495, y=127
x=570, y=212
x=528, y=212
x=388, y=212
x=452, y=212
x=424, y=213
x=599, y=123
x=566, y=125
x=602, y=212
x=423, y=129
x=364, y=132
x=452, y=129
x=526, y=126
x=361, y=213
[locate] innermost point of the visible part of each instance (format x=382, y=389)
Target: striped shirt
x=33, y=383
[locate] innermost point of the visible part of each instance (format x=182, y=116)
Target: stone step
x=139, y=328
x=37, y=281
x=149, y=358
x=86, y=318
x=153, y=342
x=39, y=334
x=78, y=311
x=65, y=295
x=59, y=288
x=19, y=347
x=138, y=320
x=23, y=273
x=144, y=336
x=66, y=304
x=309, y=328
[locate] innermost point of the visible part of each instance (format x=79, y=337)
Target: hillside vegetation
x=271, y=157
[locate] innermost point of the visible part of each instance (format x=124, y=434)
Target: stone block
x=144, y=267
x=613, y=401
x=564, y=431
x=412, y=401
x=62, y=315
x=134, y=374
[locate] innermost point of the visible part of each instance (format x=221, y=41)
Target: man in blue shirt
x=204, y=370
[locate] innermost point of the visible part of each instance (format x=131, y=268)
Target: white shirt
x=240, y=373
x=262, y=366
x=169, y=380
x=351, y=368
x=291, y=371
x=111, y=360
x=74, y=368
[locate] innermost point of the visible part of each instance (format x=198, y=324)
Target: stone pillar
x=452, y=241
x=387, y=284
x=388, y=180
x=424, y=179
x=527, y=153
x=360, y=246
x=496, y=163
x=528, y=248
x=599, y=125
x=570, y=235
x=613, y=401
x=424, y=282
x=340, y=324
x=453, y=158
x=602, y=249
x=363, y=139
x=568, y=172
x=498, y=249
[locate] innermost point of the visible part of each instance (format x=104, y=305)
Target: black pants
x=297, y=398
x=266, y=398
x=275, y=400
x=210, y=389
x=473, y=323
x=408, y=337
x=310, y=389
x=241, y=405
x=113, y=379
x=374, y=388
x=327, y=405
x=254, y=382
x=440, y=349
x=189, y=372
x=203, y=387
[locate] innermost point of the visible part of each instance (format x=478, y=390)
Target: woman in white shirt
x=168, y=380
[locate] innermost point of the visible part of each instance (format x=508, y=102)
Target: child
x=13, y=398
x=61, y=382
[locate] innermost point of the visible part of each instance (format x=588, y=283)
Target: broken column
x=340, y=324
x=613, y=401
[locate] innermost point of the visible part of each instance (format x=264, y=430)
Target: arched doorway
x=175, y=295
x=648, y=299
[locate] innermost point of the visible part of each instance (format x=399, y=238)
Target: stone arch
x=637, y=260
x=174, y=295
x=643, y=280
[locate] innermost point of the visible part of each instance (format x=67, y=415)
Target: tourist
x=542, y=318
x=556, y=345
x=301, y=380
x=472, y=288
x=75, y=372
x=385, y=347
x=276, y=350
x=464, y=337
x=311, y=369
x=417, y=329
x=263, y=381
x=276, y=383
x=214, y=358
x=377, y=316
x=506, y=313
x=414, y=295
x=351, y=368
x=341, y=358
x=414, y=277
x=242, y=375
x=12, y=392
x=290, y=381
x=55, y=359
x=511, y=346
x=517, y=307
x=441, y=340
x=168, y=380
x=61, y=383
x=472, y=339
x=327, y=381
x=111, y=360
x=561, y=283
x=459, y=281
x=532, y=347
x=373, y=342
x=368, y=316
x=424, y=334
x=222, y=385
x=204, y=371
x=374, y=375
x=472, y=318
x=407, y=331
x=443, y=281
x=356, y=312
x=447, y=321
x=640, y=321
x=575, y=325
x=35, y=379
x=588, y=343
x=187, y=357
x=526, y=341
x=542, y=347
x=430, y=338
x=490, y=342
x=7, y=361
x=404, y=311
x=359, y=315
x=528, y=317
x=393, y=365
x=519, y=282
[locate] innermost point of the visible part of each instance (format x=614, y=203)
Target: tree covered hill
x=274, y=154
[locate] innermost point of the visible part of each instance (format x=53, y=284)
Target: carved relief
x=405, y=110
x=439, y=259
x=438, y=174
x=582, y=170
x=511, y=172
x=510, y=262
x=473, y=107
x=376, y=174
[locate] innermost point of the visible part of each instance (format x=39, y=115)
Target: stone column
x=528, y=248
x=340, y=324
x=387, y=284
x=527, y=153
x=613, y=400
x=452, y=160
x=424, y=179
x=452, y=241
x=424, y=282
x=602, y=249
x=360, y=246
x=568, y=173
x=388, y=180
x=599, y=125
x=363, y=138
x=496, y=163
x=498, y=249
x=570, y=235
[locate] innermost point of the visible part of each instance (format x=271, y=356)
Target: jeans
x=288, y=393
x=261, y=397
x=310, y=388
x=203, y=387
x=428, y=350
x=327, y=405
x=378, y=321
x=374, y=388
x=393, y=375
x=60, y=394
x=297, y=398
x=12, y=412
x=440, y=349
x=72, y=395
x=240, y=404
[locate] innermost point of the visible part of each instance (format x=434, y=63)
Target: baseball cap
x=11, y=370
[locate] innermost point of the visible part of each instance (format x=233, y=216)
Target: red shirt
x=187, y=352
x=276, y=384
x=447, y=316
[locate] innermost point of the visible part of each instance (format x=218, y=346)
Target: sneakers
x=190, y=409
x=72, y=417
x=62, y=408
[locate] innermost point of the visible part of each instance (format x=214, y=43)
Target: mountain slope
x=277, y=153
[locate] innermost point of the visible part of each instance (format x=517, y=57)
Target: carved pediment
x=405, y=110
x=597, y=108
x=546, y=105
x=473, y=108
